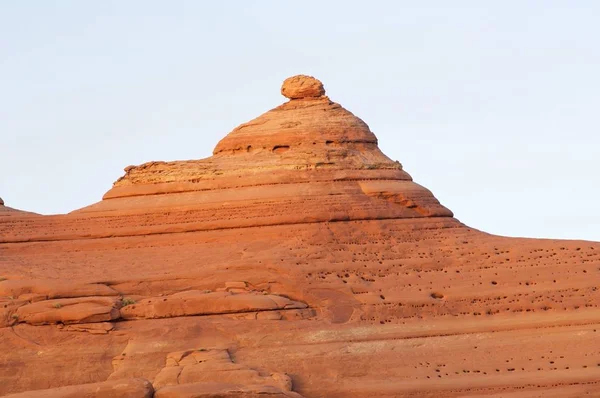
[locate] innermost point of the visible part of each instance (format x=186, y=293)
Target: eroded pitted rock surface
x=300, y=259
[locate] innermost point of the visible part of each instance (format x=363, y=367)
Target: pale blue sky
x=493, y=105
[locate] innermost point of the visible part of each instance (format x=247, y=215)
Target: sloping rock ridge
x=298, y=260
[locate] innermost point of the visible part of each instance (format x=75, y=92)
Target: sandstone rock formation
x=124, y=388
x=298, y=259
x=6, y=211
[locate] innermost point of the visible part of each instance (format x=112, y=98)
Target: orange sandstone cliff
x=297, y=261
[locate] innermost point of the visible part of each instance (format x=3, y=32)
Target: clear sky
x=493, y=105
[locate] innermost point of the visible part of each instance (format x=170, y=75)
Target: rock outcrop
x=187, y=373
x=124, y=388
x=194, y=302
x=6, y=211
x=298, y=259
x=302, y=86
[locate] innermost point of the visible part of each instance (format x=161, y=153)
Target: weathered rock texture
x=124, y=388
x=298, y=259
x=6, y=211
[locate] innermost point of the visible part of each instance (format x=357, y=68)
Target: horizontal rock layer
x=125, y=388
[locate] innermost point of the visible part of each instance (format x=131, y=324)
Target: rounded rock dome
x=302, y=86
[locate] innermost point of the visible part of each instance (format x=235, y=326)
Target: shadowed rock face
x=298, y=259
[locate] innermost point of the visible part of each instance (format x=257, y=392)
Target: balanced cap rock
x=302, y=86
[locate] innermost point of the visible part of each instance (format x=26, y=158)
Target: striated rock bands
x=193, y=302
x=298, y=259
x=125, y=388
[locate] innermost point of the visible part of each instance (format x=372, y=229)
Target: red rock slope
x=297, y=260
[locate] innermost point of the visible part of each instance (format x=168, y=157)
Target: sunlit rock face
x=298, y=260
